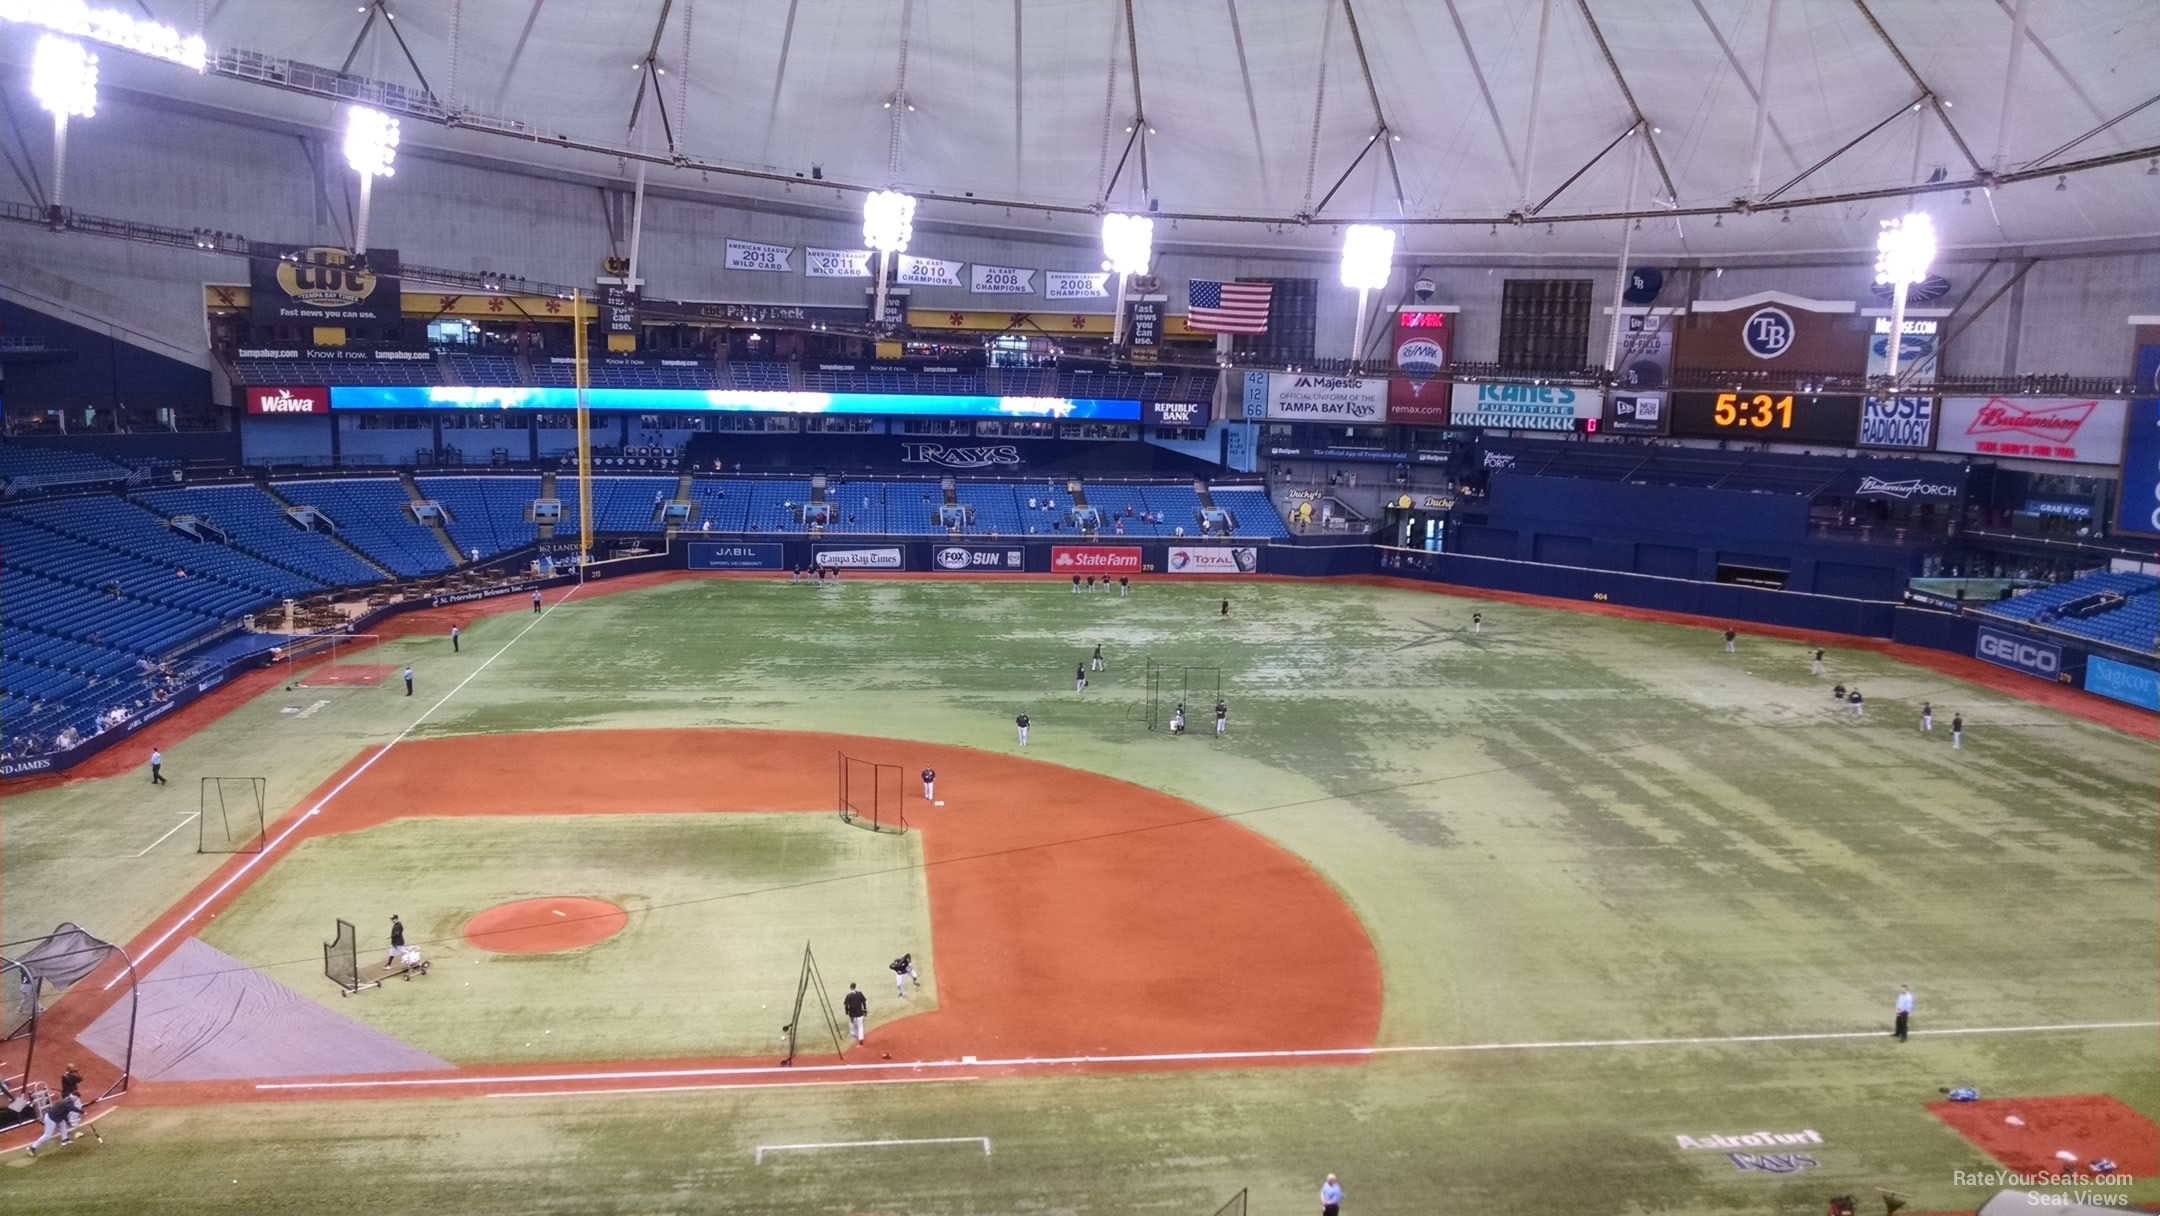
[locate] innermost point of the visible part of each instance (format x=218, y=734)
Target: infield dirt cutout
x=1073, y=915
x=543, y=926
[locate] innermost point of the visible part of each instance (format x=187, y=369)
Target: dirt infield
x=2087, y=1126
x=347, y=675
x=1074, y=915
x=543, y=926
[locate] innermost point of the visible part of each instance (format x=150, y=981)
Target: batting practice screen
x=870, y=794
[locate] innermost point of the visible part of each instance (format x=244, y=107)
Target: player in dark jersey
x=1076, y=584
x=857, y=1007
x=1927, y=716
x=1079, y=677
x=1096, y=662
x=1729, y=637
x=929, y=784
x=1022, y=723
x=1859, y=704
x=1957, y=731
x=903, y=970
x=1818, y=669
x=1222, y=718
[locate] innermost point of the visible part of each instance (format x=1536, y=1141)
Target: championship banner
x=1094, y=559
x=1635, y=413
x=926, y=272
x=2033, y=428
x=1217, y=559
x=1423, y=340
x=977, y=560
x=859, y=559
x=836, y=263
x=288, y=401
x=618, y=309
x=707, y=555
x=750, y=255
x=1066, y=285
x=1340, y=399
x=2138, y=509
x=1522, y=407
x=1001, y=280
x=1906, y=421
x=322, y=285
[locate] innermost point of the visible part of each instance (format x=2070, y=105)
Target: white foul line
x=673, y=1089
x=168, y=836
x=142, y=960
x=763, y=1149
x=1197, y=1057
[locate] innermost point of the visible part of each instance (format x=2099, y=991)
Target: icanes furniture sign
x=1773, y=331
x=1522, y=407
x=1337, y=399
x=278, y=401
x=2082, y=431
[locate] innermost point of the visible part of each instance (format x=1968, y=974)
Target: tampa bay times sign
x=322, y=285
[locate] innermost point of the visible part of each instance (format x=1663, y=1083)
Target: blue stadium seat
x=258, y=523
x=486, y=513
x=371, y=516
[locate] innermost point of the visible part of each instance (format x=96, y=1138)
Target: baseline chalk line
x=191, y=815
x=675, y=1089
x=763, y=1149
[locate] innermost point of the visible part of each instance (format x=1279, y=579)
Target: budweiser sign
x=2086, y=431
x=288, y=401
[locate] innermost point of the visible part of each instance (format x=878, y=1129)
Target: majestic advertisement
x=1094, y=559
x=312, y=400
x=2139, y=686
x=1635, y=413
x=1175, y=413
x=979, y=560
x=1337, y=399
x=1522, y=407
x=1906, y=421
x=859, y=559
x=750, y=255
x=2033, y=428
x=1423, y=341
x=1773, y=331
x=707, y=555
x=2041, y=659
x=1068, y=285
x=1000, y=280
x=738, y=401
x=322, y=285
x=2139, y=508
x=1213, y=559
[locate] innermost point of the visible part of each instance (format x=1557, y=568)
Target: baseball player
x=397, y=939
x=1226, y=607
x=1837, y=693
x=1477, y=622
x=1177, y=720
x=1859, y=704
x=1957, y=731
x=408, y=681
x=1222, y=718
x=1818, y=667
x=903, y=970
x=857, y=1007
x=1079, y=677
x=1022, y=723
x=1096, y=662
x=929, y=784
x=1729, y=637
x=536, y=601
x=1124, y=584
x=57, y=1122
x=1076, y=584
x=454, y=647
x=1927, y=717
x=1904, y=1013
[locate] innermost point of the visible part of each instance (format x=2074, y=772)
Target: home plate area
x=207, y=1016
x=2060, y=1136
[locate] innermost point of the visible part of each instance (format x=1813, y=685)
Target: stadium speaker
x=1643, y=285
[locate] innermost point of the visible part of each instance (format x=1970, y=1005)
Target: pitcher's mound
x=538, y=926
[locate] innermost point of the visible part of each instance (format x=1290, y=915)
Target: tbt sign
x=2040, y=659
x=859, y=559
x=322, y=285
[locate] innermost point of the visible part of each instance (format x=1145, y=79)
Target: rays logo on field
x=1877, y=487
x=1772, y=1163
x=1768, y=333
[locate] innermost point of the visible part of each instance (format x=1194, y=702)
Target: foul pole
x=584, y=431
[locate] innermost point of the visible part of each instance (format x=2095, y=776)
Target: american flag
x=1226, y=308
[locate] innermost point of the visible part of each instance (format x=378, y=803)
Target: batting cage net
x=232, y=818
x=870, y=794
x=38, y=976
x=341, y=959
x=1236, y=1206
x=812, y=995
x=317, y=660
x=1166, y=686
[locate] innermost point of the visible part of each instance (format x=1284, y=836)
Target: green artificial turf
x=721, y=908
x=1568, y=828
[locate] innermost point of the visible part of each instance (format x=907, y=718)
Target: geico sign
x=2002, y=648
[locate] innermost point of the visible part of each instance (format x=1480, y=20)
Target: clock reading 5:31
x=1761, y=410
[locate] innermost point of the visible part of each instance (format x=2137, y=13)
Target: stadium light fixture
x=888, y=225
x=112, y=27
x=1368, y=258
x=63, y=78
x=1904, y=250
x=371, y=142
x=1128, y=243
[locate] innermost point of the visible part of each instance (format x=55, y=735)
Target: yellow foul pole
x=584, y=430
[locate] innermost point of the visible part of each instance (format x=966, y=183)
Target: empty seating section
x=1026, y=382
x=25, y=467
x=487, y=514
x=997, y=508
x=494, y=371
x=1124, y=385
x=258, y=523
x=370, y=515
x=2131, y=624
x=1252, y=512
x=892, y=506
x=761, y=376
x=112, y=524
x=335, y=371
x=620, y=504
x=891, y=380
x=767, y=509
x=721, y=502
x=612, y=375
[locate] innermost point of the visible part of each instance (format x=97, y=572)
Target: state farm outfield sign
x=1094, y=559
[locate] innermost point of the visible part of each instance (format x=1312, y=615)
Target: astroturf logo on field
x=1750, y=1140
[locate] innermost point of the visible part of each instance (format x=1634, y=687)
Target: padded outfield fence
x=870, y=794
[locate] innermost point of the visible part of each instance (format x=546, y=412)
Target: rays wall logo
x=1768, y=333
x=1876, y=487
x=959, y=458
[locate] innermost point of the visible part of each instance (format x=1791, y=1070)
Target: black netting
x=341, y=958
x=34, y=968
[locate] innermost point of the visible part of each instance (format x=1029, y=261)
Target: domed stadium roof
x=1267, y=122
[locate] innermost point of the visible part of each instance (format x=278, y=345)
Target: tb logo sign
x=1768, y=333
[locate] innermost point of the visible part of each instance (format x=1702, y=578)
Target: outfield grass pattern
x=1565, y=828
